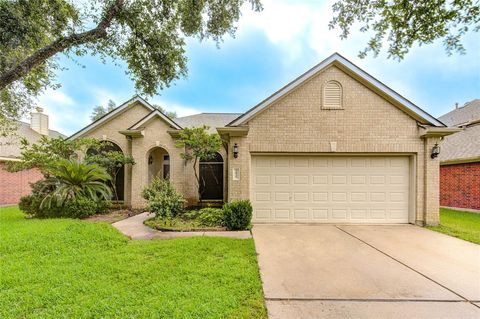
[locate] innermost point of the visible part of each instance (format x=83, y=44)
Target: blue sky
x=270, y=49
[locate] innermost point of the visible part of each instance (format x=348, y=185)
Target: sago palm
x=71, y=179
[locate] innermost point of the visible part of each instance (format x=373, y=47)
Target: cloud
x=181, y=110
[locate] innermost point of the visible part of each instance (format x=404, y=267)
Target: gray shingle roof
x=470, y=111
x=213, y=120
x=10, y=145
x=465, y=144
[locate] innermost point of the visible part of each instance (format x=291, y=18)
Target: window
x=166, y=166
x=332, y=95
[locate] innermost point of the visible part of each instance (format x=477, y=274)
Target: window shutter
x=332, y=95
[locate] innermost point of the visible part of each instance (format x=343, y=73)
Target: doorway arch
x=158, y=163
x=211, y=178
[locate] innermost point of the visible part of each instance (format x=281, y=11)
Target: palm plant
x=71, y=180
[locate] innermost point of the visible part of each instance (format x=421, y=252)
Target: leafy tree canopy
x=400, y=23
x=149, y=35
x=170, y=114
x=99, y=110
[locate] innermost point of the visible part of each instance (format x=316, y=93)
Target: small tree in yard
x=112, y=161
x=199, y=145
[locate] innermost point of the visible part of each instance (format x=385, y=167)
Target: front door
x=211, y=179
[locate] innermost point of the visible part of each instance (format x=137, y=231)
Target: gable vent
x=332, y=95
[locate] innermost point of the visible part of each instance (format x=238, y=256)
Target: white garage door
x=343, y=189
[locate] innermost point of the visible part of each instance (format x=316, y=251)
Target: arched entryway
x=158, y=161
x=211, y=178
x=117, y=172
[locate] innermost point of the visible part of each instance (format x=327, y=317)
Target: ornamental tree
x=199, y=145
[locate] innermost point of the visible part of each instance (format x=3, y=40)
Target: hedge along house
x=333, y=146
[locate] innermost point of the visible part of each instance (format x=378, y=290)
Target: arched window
x=332, y=95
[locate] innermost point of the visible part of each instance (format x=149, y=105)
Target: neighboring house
x=334, y=145
x=15, y=185
x=460, y=158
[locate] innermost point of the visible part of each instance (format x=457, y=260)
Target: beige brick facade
x=368, y=124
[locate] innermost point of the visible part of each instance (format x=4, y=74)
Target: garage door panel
x=357, y=189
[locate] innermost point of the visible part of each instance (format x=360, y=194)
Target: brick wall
x=15, y=185
x=460, y=185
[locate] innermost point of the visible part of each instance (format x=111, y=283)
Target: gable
x=124, y=115
x=340, y=62
x=300, y=118
x=156, y=114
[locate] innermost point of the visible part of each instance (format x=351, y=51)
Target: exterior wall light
x=435, y=151
x=235, y=150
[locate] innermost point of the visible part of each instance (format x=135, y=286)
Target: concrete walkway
x=328, y=271
x=134, y=228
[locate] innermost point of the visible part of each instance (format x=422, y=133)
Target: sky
x=270, y=49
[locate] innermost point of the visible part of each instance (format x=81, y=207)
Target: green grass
x=62, y=268
x=459, y=224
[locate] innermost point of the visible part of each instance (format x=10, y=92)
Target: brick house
x=15, y=185
x=334, y=145
x=460, y=159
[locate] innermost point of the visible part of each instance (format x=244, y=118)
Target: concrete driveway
x=328, y=271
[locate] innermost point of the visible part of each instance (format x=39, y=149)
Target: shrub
x=71, y=179
x=79, y=207
x=211, y=217
x=163, y=199
x=238, y=214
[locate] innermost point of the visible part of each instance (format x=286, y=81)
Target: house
x=334, y=145
x=460, y=159
x=16, y=185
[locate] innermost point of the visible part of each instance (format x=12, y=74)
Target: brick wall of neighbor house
x=367, y=124
x=460, y=185
x=15, y=185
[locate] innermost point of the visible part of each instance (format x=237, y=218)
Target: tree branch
x=60, y=45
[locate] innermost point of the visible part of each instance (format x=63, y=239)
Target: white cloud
x=181, y=110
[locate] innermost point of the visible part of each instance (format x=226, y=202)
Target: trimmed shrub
x=81, y=207
x=163, y=199
x=211, y=217
x=238, y=214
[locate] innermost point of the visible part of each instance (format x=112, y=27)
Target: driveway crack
x=405, y=265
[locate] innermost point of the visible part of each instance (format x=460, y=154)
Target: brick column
x=431, y=213
x=128, y=176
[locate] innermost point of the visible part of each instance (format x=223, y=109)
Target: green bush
x=238, y=214
x=163, y=199
x=79, y=207
x=211, y=217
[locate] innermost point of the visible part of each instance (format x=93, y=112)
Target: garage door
x=330, y=189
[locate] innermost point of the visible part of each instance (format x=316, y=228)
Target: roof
x=469, y=112
x=10, y=145
x=463, y=146
x=119, y=109
x=213, y=120
x=354, y=71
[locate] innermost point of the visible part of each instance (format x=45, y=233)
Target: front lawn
x=464, y=225
x=62, y=268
